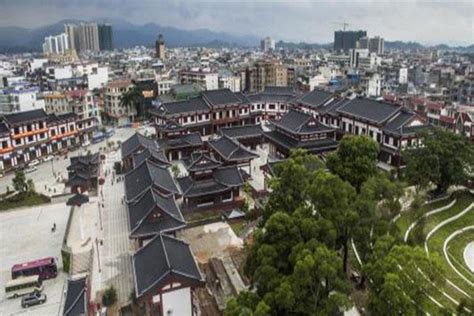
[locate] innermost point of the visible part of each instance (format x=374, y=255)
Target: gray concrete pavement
x=26, y=235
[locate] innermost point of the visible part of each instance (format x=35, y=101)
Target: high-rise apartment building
x=267, y=44
x=56, y=45
x=105, y=37
x=264, y=74
x=373, y=44
x=160, y=47
x=346, y=40
x=89, y=36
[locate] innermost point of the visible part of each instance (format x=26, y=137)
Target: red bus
x=45, y=268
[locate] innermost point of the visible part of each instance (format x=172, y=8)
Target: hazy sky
x=429, y=22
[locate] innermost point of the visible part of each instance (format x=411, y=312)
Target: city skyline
x=308, y=21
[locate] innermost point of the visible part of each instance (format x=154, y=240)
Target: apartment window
x=271, y=106
x=350, y=128
x=378, y=137
x=387, y=139
x=53, y=132
x=29, y=128
x=30, y=138
x=4, y=144
x=191, y=118
x=16, y=130
x=343, y=126
x=63, y=130
x=207, y=116
x=357, y=130
x=41, y=125
x=395, y=142
x=18, y=142
x=185, y=119
x=282, y=107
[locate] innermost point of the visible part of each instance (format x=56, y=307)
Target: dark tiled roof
x=75, y=303
x=333, y=106
x=229, y=176
x=223, y=178
x=314, y=146
x=4, y=128
x=373, y=111
x=180, y=107
x=201, y=160
x=396, y=124
x=140, y=210
x=146, y=175
x=186, y=140
x=156, y=156
x=242, y=97
x=90, y=160
x=230, y=150
x=26, y=116
x=220, y=97
x=316, y=98
x=278, y=90
x=300, y=123
x=54, y=118
x=191, y=188
x=137, y=142
x=164, y=259
x=77, y=199
x=268, y=98
x=245, y=131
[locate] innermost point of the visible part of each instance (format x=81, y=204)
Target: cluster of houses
x=315, y=121
x=29, y=135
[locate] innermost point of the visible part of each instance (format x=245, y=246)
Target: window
x=395, y=142
x=387, y=139
x=271, y=106
x=4, y=144
x=378, y=137
x=30, y=138
x=18, y=142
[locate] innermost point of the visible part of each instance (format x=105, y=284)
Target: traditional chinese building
x=209, y=185
x=166, y=276
x=83, y=173
x=298, y=130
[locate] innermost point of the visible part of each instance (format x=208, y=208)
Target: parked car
x=33, y=299
x=48, y=158
x=30, y=169
x=33, y=163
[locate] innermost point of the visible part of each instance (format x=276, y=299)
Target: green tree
x=442, y=158
x=291, y=181
x=19, y=182
x=334, y=200
x=355, y=160
x=400, y=275
x=293, y=272
x=133, y=100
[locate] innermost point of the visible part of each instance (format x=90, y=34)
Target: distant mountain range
x=17, y=39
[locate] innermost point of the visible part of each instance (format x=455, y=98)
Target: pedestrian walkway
x=114, y=267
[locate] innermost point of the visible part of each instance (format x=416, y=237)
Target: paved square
x=26, y=235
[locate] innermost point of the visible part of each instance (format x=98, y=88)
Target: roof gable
x=373, y=111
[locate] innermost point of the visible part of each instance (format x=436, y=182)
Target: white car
x=48, y=158
x=34, y=163
x=30, y=169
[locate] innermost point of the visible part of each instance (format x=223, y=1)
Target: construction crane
x=344, y=24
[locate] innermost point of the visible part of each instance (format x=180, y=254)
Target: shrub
x=109, y=297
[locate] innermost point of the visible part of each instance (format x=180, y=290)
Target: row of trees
x=298, y=262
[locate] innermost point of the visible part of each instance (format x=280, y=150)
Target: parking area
x=26, y=235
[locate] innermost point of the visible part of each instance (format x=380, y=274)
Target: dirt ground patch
x=211, y=240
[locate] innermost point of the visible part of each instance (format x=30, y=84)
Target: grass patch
x=195, y=216
x=24, y=199
x=238, y=227
x=409, y=216
x=456, y=252
x=435, y=244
